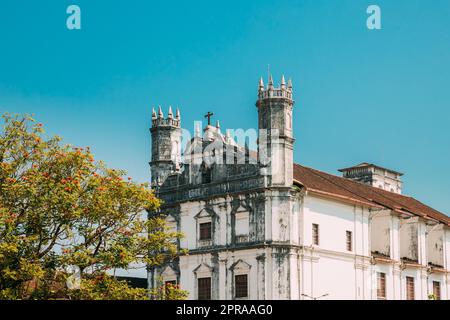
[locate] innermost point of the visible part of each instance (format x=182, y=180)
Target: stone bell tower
x=275, y=147
x=275, y=156
x=166, y=145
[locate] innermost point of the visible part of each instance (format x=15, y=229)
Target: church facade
x=259, y=226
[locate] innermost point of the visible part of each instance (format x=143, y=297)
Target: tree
x=60, y=208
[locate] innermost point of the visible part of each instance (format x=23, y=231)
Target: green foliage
x=169, y=291
x=59, y=207
x=100, y=287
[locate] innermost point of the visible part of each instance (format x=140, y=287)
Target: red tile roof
x=334, y=186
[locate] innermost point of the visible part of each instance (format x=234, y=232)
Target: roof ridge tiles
x=333, y=184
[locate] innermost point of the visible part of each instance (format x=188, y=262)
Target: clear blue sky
x=376, y=96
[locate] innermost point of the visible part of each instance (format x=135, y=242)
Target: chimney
x=375, y=176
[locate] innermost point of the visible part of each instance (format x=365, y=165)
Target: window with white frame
x=205, y=228
x=437, y=290
x=315, y=234
x=381, y=286
x=410, y=294
x=204, y=288
x=241, y=274
x=241, y=286
x=203, y=274
x=349, y=240
x=169, y=278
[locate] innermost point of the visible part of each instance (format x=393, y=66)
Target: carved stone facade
x=247, y=216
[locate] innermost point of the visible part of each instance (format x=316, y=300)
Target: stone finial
x=261, y=84
x=228, y=137
x=170, y=114
x=217, y=124
x=289, y=86
x=153, y=113
x=270, y=85
x=160, y=113
x=178, y=116
x=197, y=130
x=283, y=82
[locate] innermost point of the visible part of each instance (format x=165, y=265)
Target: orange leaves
x=64, y=195
x=125, y=231
x=9, y=217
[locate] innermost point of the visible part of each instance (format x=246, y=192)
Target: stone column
x=223, y=285
x=261, y=276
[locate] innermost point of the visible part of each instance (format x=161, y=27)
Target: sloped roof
x=331, y=185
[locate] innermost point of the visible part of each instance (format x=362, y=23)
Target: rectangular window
x=315, y=230
x=437, y=290
x=410, y=288
x=205, y=231
x=381, y=288
x=204, y=289
x=349, y=240
x=241, y=286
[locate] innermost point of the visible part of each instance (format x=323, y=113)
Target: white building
x=259, y=229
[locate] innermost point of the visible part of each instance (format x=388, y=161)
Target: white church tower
x=268, y=228
x=275, y=130
x=166, y=145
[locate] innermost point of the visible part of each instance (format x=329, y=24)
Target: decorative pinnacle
x=261, y=84
x=283, y=82
x=160, y=113
x=270, y=85
x=289, y=85
x=170, y=114
x=178, y=116
x=197, y=130
x=153, y=113
x=217, y=124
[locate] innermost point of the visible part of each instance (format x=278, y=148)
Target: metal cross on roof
x=209, y=115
